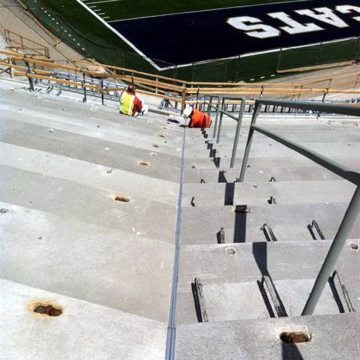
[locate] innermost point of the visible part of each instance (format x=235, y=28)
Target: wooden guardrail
x=150, y=84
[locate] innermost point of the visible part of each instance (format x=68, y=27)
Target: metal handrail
x=220, y=111
x=354, y=207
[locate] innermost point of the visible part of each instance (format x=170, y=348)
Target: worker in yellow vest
x=130, y=104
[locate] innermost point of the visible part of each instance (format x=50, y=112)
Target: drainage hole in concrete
x=121, y=198
x=46, y=309
x=144, y=163
x=230, y=251
x=295, y=337
x=354, y=246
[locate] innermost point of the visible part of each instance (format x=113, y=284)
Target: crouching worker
x=198, y=119
x=130, y=104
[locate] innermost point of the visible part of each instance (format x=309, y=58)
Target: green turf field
x=77, y=27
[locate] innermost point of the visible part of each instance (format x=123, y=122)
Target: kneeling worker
x=130, y=104
x=198, y=119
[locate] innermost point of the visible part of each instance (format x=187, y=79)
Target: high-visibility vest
x=199, y=120
x=127, y=103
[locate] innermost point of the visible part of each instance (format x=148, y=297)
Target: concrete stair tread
x=83, y=328
x=333, y=337
x=284, y=192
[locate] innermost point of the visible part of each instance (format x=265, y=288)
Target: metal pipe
x=334, y=252
x=84, y=82
x=209, y=105
x=216, y=117
x=249, y=140
x=102, y=90
x=31, y=81
x=220, y=121
x=237, y=133
x=308, y=105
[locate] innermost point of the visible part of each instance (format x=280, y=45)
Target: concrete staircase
x=90, y=218
x=250, y=251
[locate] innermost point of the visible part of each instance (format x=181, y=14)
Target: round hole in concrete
x=354, y=246
x=161, y=135
x=45, y=308
x=230, y=251
x=121, y=198
x=144, y=163
x=155, y=145
x=295, y=337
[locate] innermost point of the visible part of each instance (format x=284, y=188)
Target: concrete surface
x=108, y=264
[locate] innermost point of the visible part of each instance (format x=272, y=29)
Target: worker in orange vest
x=130, y=104
x=198, y=119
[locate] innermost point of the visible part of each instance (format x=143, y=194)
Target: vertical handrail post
x=249, y=141
x=220, y=120
x=183, y=97
x=237, y=133
x=209, y=105
x=28, y=73
x=84, y=88
x=337, y=245
x=102, y=90
x=216, y=117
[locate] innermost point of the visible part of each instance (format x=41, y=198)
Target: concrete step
x=234, y=263
x=86, y=261
x=85, y=124
x=126, y=183
x=234, y=273
x=257, y=193
x=69, y=199
x=83, y=329
x=260, y=339
x=93, y=150
x=79, y=112
x=263, y=174
x=200, y=225
x=252, y=300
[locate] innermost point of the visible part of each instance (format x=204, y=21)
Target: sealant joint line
x=171, y=329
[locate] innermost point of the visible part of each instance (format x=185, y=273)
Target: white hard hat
x=187, y=111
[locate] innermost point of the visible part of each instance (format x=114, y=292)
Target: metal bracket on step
x=274, y=296
x=315, y=225
x=220, y=235
x=268, y=232
x=199, y=299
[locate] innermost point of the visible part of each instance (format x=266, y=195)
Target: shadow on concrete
x=229, y=194
x=336, y=295
x=222, y=177
x=290, y=352
x=274, y=303
x=240, y=226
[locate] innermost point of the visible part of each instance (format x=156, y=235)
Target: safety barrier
x=106, y=81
